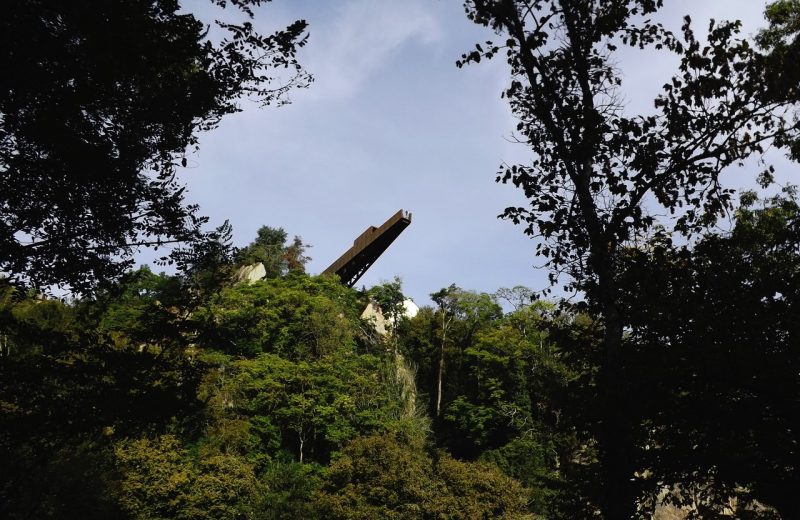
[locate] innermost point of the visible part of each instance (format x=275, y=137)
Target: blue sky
x=391, y=123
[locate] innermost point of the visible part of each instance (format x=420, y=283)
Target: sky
x=390, y=122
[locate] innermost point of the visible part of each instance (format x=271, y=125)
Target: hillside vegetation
x=194, y=396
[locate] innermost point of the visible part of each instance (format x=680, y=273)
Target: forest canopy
x=241, y=386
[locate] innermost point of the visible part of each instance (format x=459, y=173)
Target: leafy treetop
x=104, y=101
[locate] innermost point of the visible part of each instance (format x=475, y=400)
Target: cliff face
x=372, y=312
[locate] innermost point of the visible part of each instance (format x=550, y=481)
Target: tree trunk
x=302, y=441
x=439, y=381
x=617, y=457
x=445, y=323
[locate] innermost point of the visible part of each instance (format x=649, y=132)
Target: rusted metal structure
x=367, y=248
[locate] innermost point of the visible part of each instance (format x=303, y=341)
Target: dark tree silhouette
x=593, y=164
x=99, y=102
x=713, y=336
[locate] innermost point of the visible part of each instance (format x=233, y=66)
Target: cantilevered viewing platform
x=367, y=248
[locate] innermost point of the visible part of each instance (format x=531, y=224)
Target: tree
x=391, y=476
x=296, y=317
x=461, y=313
x=713, y=375
x=512, y=395
x=781, y=40
x=446, y=300
x=305, y=410
x=518, y=296
x=72, y=383
x=270, y=248
x=390, y=300
x=506, y=372
x=593, y=166
x=160, y=479
x=97, y=116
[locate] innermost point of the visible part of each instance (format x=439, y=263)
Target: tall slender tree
x=596, y=169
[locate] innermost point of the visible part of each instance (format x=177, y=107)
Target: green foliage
x=503, y=369
x=517, y=395
x=294, y=317
x=191, y=431
x=270, y=249
x=382, y=476
x=463, y=313
x=392, y=476
x=104, y=102
x=531, y=462
x=783, y=17
x=441, y=344
x=512, y=395
x=145, y=310
x=781, y=40
x=34, y=326
x=477, y=490
x=249, y=402
x=161, y=479
x=303, y=410
x=288, y=489
x=389, y=297
x=66, y=393
x=460, y=315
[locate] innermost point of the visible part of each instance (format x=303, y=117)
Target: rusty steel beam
x=367, y=248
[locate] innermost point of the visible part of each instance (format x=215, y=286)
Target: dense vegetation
x=264, y=400
x=670, y=382
x=161, y=398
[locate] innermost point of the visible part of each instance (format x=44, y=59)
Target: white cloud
x=359, y=40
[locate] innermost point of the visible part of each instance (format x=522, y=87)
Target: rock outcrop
x=250, y=273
